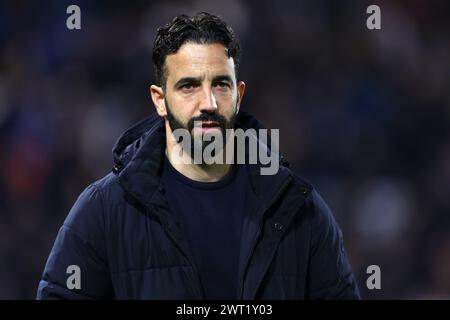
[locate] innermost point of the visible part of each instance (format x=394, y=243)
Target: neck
x=184, y=164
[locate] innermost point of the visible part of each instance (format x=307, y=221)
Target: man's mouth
x=209, y=124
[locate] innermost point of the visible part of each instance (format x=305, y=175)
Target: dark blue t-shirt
x=211, y=216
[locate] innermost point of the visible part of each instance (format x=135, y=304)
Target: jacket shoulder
x=87, y=214
x=80, y=243
x=330, y=275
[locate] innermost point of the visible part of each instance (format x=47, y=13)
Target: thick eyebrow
x=223, y=77
x=196, y=80
x=187, y=80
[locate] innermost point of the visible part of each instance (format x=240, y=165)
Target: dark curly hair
x=202, y=28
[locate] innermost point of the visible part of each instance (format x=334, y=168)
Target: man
x=161, y=227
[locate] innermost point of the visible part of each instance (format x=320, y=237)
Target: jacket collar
x=138, y=156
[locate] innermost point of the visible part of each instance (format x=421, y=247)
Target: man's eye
x=187, y=86
x=222, y=85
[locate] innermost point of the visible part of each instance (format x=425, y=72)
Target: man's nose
x=208, y=101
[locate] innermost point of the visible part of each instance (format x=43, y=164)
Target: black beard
x=223, y=123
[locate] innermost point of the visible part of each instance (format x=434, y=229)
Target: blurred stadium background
x=363, y=115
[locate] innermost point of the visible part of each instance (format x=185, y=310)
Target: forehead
x=199, y=60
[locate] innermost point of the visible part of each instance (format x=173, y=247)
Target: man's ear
x=240, y=94
x=157, y=94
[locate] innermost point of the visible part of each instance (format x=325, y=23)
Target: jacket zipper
x=199, y=288
x=258, y=232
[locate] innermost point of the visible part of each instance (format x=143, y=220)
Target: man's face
x=200, y=86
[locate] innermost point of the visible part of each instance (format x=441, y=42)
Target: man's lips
x=209, y=124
